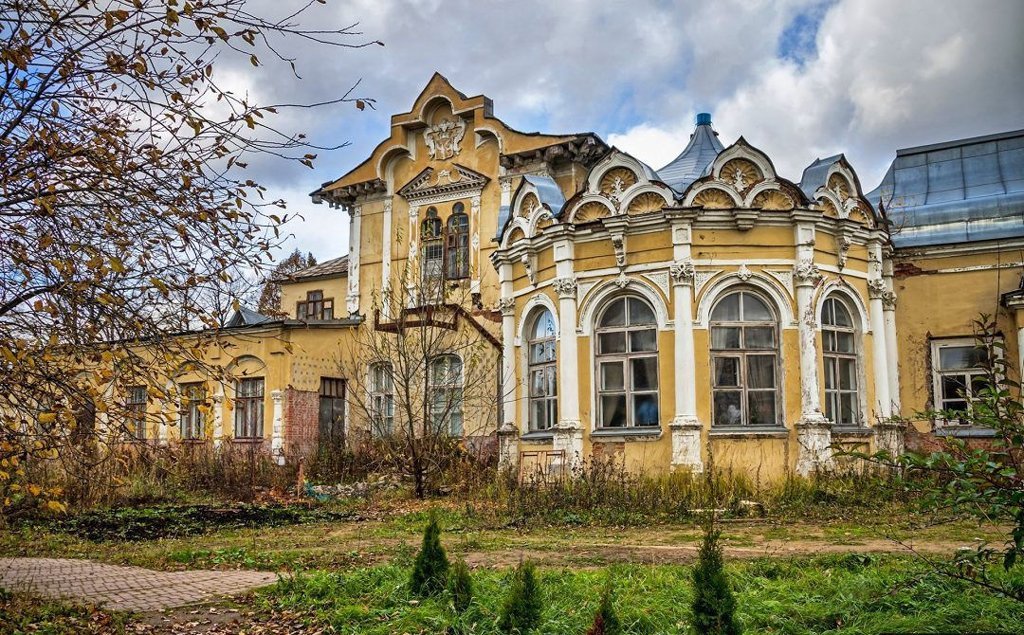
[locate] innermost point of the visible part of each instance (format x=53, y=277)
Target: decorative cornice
x=444, y=185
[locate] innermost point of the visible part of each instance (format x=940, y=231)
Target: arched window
x=543, y=372
x=432, y=266
x=457, y=244
x=839, y=352
x=445, y=386
x=382, y=399
x=627, y=364
x=744, y=361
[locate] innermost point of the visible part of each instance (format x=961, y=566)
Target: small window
x=193, y=403
x=382, y=399
x=842, y=363
x=959, y=372
x=543, y=373
x=457, y=244
x=432, y=246
x=135, y=405
x=332, y=411
x=315, y=307
x=627, y=365
x=445, y=388
x=249, y=408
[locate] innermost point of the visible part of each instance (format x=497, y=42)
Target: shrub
x=521, y=610
x=460, y=586
x=606, y=621
x=714, y=606
x=430, y=571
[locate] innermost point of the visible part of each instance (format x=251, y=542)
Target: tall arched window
x=744, y=361
x=839, y=352
x=457, y=244
x=543, y=372
x=627, y=364
x=432, y=265
x=445, y=385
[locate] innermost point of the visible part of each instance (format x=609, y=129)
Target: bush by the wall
x=430, y=571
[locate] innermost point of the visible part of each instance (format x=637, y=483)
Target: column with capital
x=685, y=427
x=814, y=431
x=508, y=432
x=568, y=432
x=352, y=299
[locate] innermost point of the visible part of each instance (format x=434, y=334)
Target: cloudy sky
x=799, y=79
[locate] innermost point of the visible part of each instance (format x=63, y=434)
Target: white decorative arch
x=644, y=188
x=431, y=104
x=591, y=198
x=714, y=185
x=515, y=222
x=724, y=283
x=840, y=287
x=764, y=186
x=482, y=132
x=742, y=150
x=538, y=301
x=616, y=159
x=244, y=360
x=605, y=291
x=384, y=163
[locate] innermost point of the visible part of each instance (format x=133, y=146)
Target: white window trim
x=859, y=320
x=373, y=392
x=937, y=344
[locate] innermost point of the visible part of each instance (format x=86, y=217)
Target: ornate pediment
x=435, y=186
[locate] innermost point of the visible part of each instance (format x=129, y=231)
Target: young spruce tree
x=430, y=571
x=714, y=607
x=460, y=586
x=606, y=620
x=521, y=610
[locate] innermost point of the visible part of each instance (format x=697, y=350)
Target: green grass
x=841, y=594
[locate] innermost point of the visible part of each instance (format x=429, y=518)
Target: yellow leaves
x=172, y=17
x=34, y=490
x=116, y=264
x=56, y=506
x=254, y=60
x=47, y=418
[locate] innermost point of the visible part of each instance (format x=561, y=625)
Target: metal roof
x=690, y=165
x=958, y=191
x=333, y=267
x=815, y=174
x=246, y=317
x=548, y=192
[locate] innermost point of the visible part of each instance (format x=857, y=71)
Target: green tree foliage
x=270, y=297
x=520, y=613
x=430, y=571
x=460, y=586
x=606, y=620
x=714, y=607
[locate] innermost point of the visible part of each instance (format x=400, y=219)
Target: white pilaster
x=277, y=427
x=508, y=433
x=354, y=239
x=412, y=273
x=474, y=245
x=891, y=342
x=879, y=348
x=568, y=433
x=814, y=431
x=217, y=422
x=385, y=259
x=685, y=427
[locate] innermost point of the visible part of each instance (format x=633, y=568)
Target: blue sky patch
x=798, y=41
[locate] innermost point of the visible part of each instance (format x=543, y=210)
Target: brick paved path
x=123, y=588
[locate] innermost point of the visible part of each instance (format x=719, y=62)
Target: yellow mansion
x=649, y=316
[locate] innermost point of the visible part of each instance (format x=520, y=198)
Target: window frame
x=938, y=401
x=319, y=308
x=135, y=410
x=625, y=359
x=452, y=423
x=191, y=420
x=834, y=358
x=245, y=420
x=328, y=392
x=431, y=240
x=456, y=241
x=742, y=355
x=546, y=367
x=382, y=398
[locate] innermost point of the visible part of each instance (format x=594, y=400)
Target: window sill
x=538, y=436
x=646, y=433
x=858, y=431
x=247, y=440
x=749, y=432
x=964, y=432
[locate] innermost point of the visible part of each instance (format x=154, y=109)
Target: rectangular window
x=445, y=384
x=958, y=374
x=249, y=408
x=332, y=411
x=382, y=400
x=135, y=405
x=193, y=403
x=315, y=307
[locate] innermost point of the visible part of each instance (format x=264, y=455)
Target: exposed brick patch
x=609, y=450
x=301, y=422
x=927, y=442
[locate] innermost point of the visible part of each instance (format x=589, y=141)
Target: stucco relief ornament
x=844, y=250
x=877, y=288
x=528, y=264
x=806, y=272
x=683, y=272
x=443, y=138
x=619, y=244
x=507, y=306
x=622, y=281
x=565, y=287
x=744, y=273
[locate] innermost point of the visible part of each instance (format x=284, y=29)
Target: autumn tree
x=424, y=376
x=124, y=196
x=270, y=296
